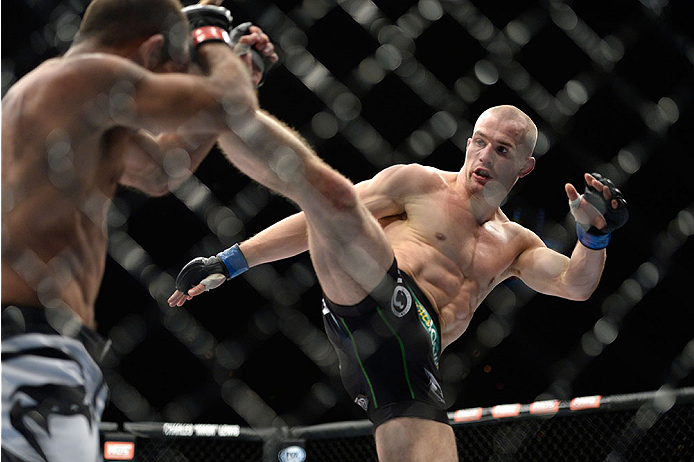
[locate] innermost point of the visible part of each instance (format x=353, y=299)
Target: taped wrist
x=209, y=34
x=590, y=240
x=198, y=270
x=234, y=261
x=209, y=23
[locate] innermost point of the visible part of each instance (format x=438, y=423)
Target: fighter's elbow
x=152, y=190
x=580, y=294
x=158, y=190
x=155, y=185
x=582, y=297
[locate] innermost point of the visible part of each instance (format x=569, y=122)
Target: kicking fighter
x=405, y=259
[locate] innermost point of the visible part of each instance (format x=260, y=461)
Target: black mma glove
x=590, y=236
x=212, y=271
x=263, y=63
x=208, y=23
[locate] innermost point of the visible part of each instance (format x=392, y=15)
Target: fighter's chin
x=493, y=192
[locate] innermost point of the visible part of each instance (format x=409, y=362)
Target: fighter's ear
x=528, y=167
x=150, y=51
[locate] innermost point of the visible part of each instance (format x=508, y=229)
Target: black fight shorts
x=389, y=346
x=53, y=390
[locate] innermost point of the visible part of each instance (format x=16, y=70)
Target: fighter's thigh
x=350, y=253
x=409, y=439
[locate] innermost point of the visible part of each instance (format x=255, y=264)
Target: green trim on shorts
x=356, y=352
x=402, y=350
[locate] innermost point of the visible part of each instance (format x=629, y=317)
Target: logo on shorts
x=362, y=401
x=430, y=327
x=401, y=302
x=434, y=386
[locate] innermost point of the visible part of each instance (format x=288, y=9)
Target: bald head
x=525, y=129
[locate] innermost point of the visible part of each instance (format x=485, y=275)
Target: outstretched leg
x=349, y=250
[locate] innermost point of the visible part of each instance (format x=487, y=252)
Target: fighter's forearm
x=284, y=239
x=224, y=68
x=583, y=274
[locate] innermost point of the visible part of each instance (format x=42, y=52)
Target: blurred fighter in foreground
x=405, y=259
x=121, y=104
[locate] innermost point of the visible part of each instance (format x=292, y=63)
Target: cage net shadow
x=374, y=83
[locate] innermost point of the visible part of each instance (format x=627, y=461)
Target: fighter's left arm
x=598, y=212
x=159, y=164
x=551, y=273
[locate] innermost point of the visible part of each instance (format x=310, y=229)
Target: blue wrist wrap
x=591, y=240
x=234, y=260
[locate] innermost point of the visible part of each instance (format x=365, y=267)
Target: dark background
x=610, y=87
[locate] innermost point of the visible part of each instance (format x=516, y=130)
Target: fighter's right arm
x=289, y=237
x=286, y=238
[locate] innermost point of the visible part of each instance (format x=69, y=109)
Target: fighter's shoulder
x=414, y=168
x=517, y=232
x=411, y=173
x=80, y=74
x=101, y=68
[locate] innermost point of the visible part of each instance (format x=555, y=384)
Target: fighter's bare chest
x=481, y=252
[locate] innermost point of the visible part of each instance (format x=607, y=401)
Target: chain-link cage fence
x=654, y=426
x=374, y=83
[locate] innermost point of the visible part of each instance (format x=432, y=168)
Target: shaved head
x=526, y=131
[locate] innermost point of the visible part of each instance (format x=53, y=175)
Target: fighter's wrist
x=206, y=34
x=234, y=261
x=208, y=23
x=592, y=241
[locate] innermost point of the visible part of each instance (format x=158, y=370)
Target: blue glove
x=590, y=236
x=212, y=271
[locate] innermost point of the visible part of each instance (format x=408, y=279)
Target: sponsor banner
x=545, y=407
x=201, y=430
x=119, y=450
x=506, y=410
x=292, y=454
x=585, y=402
x=467, y=415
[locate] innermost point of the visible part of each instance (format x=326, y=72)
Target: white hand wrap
x=573, y=205
x=213, y=281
